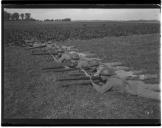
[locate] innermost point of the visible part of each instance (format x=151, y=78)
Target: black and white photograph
x=81, y=63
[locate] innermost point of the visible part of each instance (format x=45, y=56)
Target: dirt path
x=30, y=92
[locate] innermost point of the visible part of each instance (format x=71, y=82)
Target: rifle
x=75, y=74
x=41, y=54
x=42, y=46
x=74, y=84
x=58, y=67
x=79, y=78
x=44, y=54
x=65, y=70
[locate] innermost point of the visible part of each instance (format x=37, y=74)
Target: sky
x=92, y=14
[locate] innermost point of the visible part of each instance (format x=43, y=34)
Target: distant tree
x=7, y=16
x=15, y=16
x=27, y=16
x=66, y=19
x=49, y=20
x=32, y=19
x=22, y=16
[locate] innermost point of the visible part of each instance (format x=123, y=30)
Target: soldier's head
x=74, y=63
x=93, y=69
x=75, y=56
x=75, y=59
x=94, y=64
x=106, y=73
x=59, y=53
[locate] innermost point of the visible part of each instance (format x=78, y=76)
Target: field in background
x=31, y=93
x=18, y=31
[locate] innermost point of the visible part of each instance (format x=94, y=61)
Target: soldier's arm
x=63, y=58
x=82, y=64
x=99, y=69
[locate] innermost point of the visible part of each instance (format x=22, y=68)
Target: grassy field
x=30, y=92
x=16, y=32
x=139, y=52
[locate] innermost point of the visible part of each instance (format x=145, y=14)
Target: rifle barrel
x=69, y=79
x=41, y=54
x=75, y=74
x=44, y=53
x=79, y=78
x=64, y=70
x=58, y=67
x=74, y=84
x=71, y=69
x=37, y=47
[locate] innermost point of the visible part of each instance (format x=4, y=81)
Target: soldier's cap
x=75, y=57
x=107, y=72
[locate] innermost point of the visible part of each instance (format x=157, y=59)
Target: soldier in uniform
x=68, y=56
x=110, y=80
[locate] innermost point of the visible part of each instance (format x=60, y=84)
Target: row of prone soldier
x=104, y=77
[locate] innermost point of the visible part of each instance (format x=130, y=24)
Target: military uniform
x=68, y=56
x=88, y=64
x=121, y=84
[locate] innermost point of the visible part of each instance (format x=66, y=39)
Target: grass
x=139, y=52
x=17, y=31
x=30, y=92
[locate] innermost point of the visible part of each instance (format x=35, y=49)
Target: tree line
x=65, y=19
x=16, y=16
x=26, y=17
